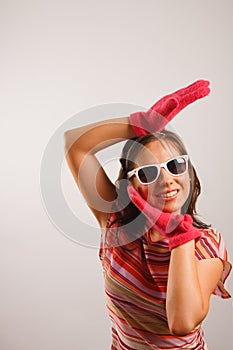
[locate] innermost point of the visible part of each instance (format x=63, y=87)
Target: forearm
x=185, y=306
x=94, y=137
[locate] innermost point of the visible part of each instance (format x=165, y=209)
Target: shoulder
x=109, y=219
x=211, y=245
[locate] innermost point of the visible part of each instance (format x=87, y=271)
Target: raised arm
x=81, y=145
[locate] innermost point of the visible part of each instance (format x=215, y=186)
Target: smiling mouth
x=170, y=194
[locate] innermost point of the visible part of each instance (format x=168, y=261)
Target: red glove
x=177, y=228
x=156, y=118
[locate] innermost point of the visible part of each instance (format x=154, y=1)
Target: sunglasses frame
x=158, y=166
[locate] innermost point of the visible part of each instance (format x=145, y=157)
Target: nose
x=165, y=177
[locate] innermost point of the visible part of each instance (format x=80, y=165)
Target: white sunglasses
x=147, y=174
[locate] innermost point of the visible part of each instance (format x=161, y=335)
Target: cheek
x=142, y=190
x=185, y=183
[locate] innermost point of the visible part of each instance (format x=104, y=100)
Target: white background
x=57, y=59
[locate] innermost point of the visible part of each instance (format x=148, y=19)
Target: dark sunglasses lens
x=148, y=174
x=177, y=166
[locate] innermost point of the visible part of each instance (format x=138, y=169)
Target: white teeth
x=168, y=194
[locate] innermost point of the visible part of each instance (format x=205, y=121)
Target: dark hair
x=127, y=215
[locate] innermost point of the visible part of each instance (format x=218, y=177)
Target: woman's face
x=168, y=192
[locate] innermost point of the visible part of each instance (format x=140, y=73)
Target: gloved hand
x=156, y=118
x=177, y=228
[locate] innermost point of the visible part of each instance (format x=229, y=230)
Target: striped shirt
x=136, y=276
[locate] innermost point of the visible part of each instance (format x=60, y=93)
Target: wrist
x=185, y=247
x=180, y=239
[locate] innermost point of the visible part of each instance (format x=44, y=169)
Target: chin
x=174, y=209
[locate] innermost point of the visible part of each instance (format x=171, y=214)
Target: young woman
x=161, y=263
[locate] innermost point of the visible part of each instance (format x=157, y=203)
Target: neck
x=155, y=236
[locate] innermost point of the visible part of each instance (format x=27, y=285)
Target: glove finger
x=181, y=92
x=186, y=100
x=150, y=212
x=192, y=87
x=136, y=198
x=200, y=87
x=193, y=96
